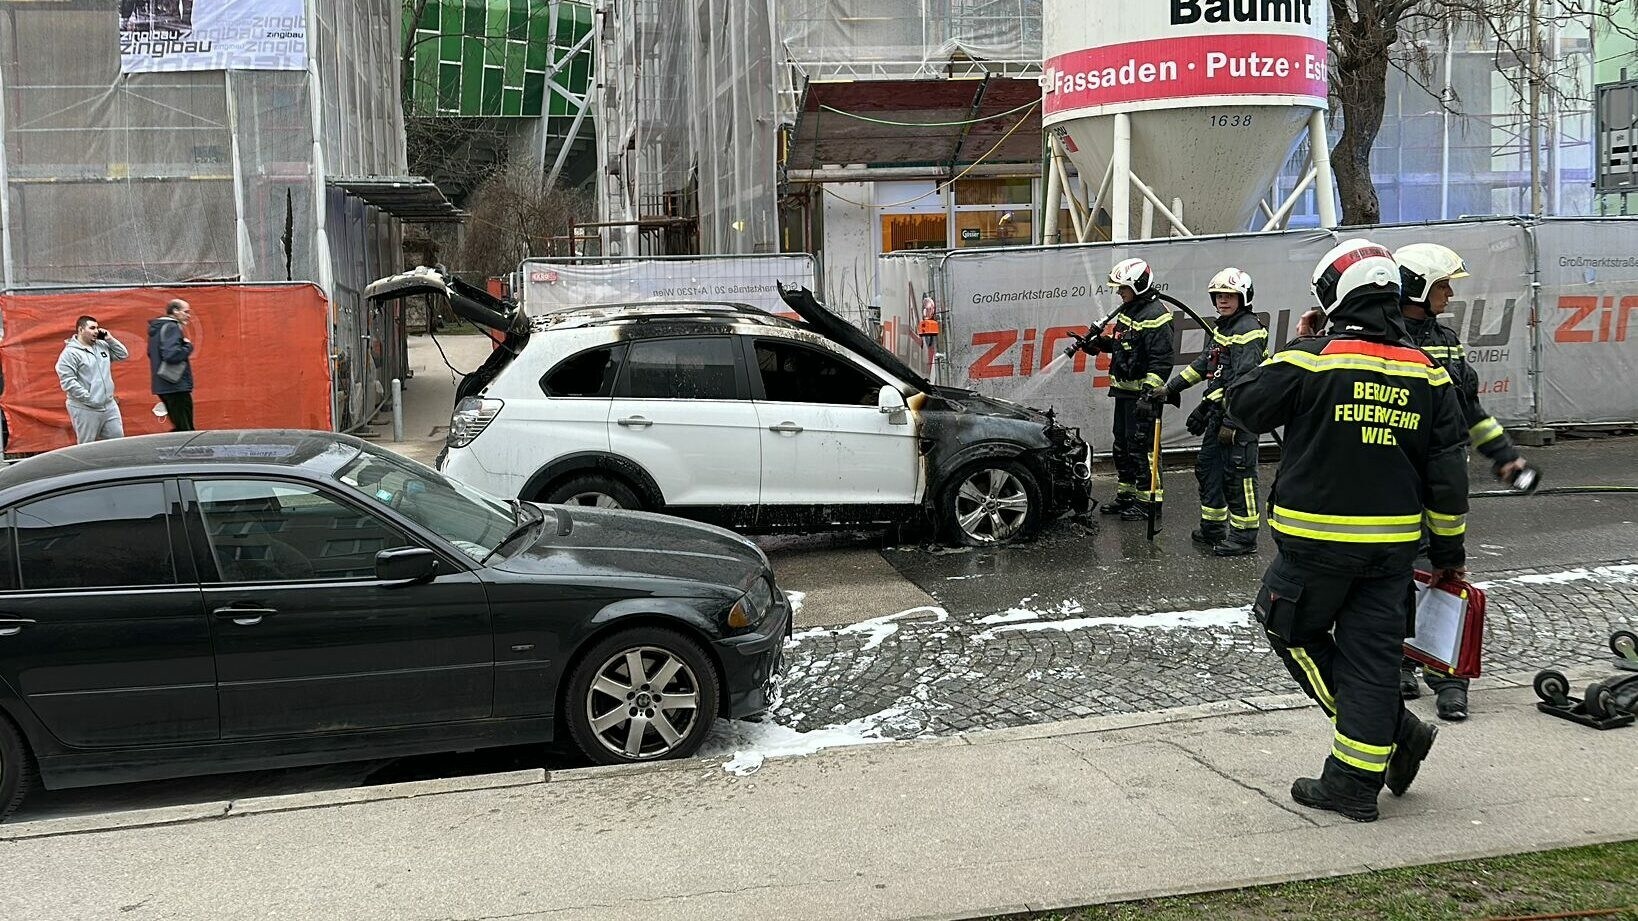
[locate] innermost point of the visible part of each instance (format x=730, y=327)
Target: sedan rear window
x=103, y=537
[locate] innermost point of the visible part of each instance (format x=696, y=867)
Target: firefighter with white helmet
x=1138, y=339
x=1226, y=466
x=1373, y=450
x=1426, y=271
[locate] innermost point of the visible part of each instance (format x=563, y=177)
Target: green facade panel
x=489, y=58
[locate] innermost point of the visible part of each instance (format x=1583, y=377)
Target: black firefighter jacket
x=1374, y=444
x=1141, y=353
x=1444, y=346
x=1239, y=343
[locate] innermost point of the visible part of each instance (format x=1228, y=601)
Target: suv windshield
x=472, y=520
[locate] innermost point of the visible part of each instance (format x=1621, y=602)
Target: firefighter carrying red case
x=1449, y=626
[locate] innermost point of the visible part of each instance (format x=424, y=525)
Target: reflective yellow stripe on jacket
x=1446, y=525
x=1348, y=529
x=1485, y=431
x=1156, y=323
x=1435, y=376
x=1242, y=339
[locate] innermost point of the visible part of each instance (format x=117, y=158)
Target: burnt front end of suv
x=1068, y=463
x=961, y=427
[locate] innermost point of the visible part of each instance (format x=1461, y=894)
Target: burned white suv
x=724, y=413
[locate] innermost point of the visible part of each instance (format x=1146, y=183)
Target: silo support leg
x=1319, y=147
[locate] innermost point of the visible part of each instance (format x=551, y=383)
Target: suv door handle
x=11, y=626
x=785, y=428
x=635, y=422
x=244, y=616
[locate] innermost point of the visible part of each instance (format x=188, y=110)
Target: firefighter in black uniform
x=1138, y=338
x=1373, y=450
x=1425, y=272
x=1227, y=463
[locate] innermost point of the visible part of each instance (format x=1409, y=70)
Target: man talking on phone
x=85, y=371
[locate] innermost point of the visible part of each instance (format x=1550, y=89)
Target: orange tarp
x=261, y=358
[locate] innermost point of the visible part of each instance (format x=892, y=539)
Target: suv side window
x=268, y=531
x=589, y=374
x=795, y=373
x=102, y=537
x=682, y=369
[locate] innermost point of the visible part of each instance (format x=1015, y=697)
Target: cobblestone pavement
x=925, y=671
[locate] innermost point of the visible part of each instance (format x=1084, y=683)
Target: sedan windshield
x=472, y=520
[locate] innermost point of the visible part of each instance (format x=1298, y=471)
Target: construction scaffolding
x=232, y=175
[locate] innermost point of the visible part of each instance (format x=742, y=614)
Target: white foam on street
x=878, y=629
x=1007, y=617
x=795, y=599
x=1024, y=612
x=1168, y=620
x=751, y=744
x=1623, y=574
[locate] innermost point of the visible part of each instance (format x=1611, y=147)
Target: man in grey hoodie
x=85, y=371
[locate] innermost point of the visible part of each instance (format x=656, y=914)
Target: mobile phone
x=102, y=334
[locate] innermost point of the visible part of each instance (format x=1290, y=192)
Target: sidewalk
x=430, y=394
x=1022, y=819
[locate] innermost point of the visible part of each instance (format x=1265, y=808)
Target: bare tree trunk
x=1362, y=94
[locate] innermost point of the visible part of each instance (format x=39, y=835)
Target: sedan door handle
x=785, y=428
x=635, y=422
x=11, y=626
x=246, y=616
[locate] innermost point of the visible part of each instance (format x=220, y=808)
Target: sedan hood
x=578, y=541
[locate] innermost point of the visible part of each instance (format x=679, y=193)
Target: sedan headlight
x=752, y=607
x=471, y=417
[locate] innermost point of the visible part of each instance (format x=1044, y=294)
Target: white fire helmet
x=1232, y=281
x=1353, y=266
x=1131, y=273
x=1423, y=265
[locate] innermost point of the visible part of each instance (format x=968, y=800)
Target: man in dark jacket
x=1426, y=271
x=1226, y=466
x=1138, y=338
x=1373, y=451
x=170, y=354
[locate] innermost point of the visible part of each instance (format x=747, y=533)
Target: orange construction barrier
x=261, y=358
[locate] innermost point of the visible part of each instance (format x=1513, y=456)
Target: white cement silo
x=1197, y=101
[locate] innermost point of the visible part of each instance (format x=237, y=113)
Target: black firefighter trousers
x=1134, y=437
x=1341, y=635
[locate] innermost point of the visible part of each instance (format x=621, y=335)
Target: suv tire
x=989, y=502
x=685, y=704
x=17, y=773
x=596, y=490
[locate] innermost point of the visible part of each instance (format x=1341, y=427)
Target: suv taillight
x=472, y=416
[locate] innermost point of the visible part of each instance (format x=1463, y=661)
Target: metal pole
x=568, y=141
x=1325, y=181
x=1275, y=217
x=1120, y=211
x=1053, y=203
x=397, y=410
x=5, y=182
x=315, y=101
x=1153, y=203
x=241, y=231
x=1177, y=209
x=1535, y=108
x=1146, y=219
x=1445, y=98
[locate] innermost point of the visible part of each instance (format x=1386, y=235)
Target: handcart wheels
x=1624, y=643
x=1552, y=687
x=1600, y=701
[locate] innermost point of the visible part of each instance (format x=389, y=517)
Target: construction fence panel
x=1589, y=298
x=551, y=285
x=1011, y=312
x=261, y=358
x=905, y=279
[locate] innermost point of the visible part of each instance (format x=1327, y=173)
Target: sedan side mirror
x=890, y=402
x=406, y=565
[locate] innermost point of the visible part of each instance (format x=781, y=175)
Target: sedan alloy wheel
x=992, y=505
x=643, y=703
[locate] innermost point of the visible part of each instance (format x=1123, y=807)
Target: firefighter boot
x=1415, y=739
x=1238, y=543
x=1410, y=684
x=1119, y=506
x=1210, y=533
x=1453, y=703
x=1137, y=511
x=1311, y=792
